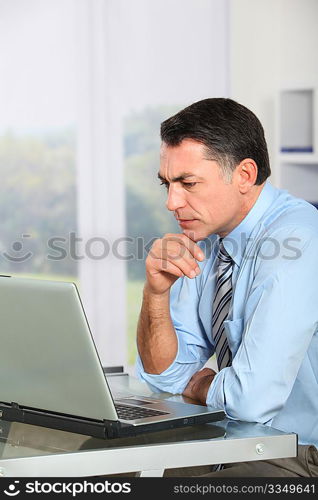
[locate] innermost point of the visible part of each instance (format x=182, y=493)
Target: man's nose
x=175, y=198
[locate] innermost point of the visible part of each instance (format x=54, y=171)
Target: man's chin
x=194, y=235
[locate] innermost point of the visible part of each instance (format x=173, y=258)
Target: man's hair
x=229, y=131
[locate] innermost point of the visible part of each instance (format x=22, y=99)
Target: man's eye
x=189, y=184
x=165, y=184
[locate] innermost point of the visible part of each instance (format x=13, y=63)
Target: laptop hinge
x=12, y=412
x=115, y=428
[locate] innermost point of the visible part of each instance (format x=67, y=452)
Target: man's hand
x=199, y=385
x=171, y=257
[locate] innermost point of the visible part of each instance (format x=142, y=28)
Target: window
x=37, y=138
x=84, y=86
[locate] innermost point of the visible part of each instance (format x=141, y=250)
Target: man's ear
x=246, y=173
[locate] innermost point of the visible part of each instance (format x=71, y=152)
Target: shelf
x=297, y=141
x=299, y=158
x=296, y=121
x=300, y=180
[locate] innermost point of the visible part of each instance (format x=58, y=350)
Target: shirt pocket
x=234, y=331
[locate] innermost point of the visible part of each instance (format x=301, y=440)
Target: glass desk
x=32, y=451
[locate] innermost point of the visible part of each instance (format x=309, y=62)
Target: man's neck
x=251, y=199
x=248, y=202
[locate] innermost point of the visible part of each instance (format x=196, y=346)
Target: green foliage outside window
x=38, y=202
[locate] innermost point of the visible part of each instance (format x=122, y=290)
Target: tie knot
x=223, y=256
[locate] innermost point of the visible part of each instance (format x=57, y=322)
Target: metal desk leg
x=150, y=473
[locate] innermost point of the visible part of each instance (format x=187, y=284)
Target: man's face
x=203, y=201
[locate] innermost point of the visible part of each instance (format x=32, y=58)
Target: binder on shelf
x=296, y=121
x=294, y=149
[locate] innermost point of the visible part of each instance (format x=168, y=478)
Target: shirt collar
x=235, y=242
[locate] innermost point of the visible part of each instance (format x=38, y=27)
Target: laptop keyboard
x=126, y=412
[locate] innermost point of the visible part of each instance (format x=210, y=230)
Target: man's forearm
x=156, y=337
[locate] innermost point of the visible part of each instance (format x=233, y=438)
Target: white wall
x=37, y=67
x=273, y=44
x=163, y=52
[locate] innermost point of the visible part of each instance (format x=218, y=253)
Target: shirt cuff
x=215, y=396
x=175, y=378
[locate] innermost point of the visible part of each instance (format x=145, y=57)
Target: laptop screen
x=48, y=359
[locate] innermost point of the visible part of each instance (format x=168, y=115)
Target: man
x=252, y=299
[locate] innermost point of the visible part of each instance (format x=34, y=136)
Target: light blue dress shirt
x=272, y=326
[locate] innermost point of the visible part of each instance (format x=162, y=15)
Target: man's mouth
x=183, y=221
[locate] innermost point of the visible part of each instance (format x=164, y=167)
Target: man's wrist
x=151, y=293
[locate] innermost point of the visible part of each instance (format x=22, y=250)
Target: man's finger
x=169, y=268
x=160, y=261
x=189, y=244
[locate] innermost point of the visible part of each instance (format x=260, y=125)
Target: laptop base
x=106, y=429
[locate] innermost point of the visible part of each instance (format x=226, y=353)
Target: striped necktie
x=221, y=306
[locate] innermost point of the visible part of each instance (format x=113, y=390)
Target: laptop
x=51, y=374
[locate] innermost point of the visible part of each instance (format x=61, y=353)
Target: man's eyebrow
x=180, y=177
